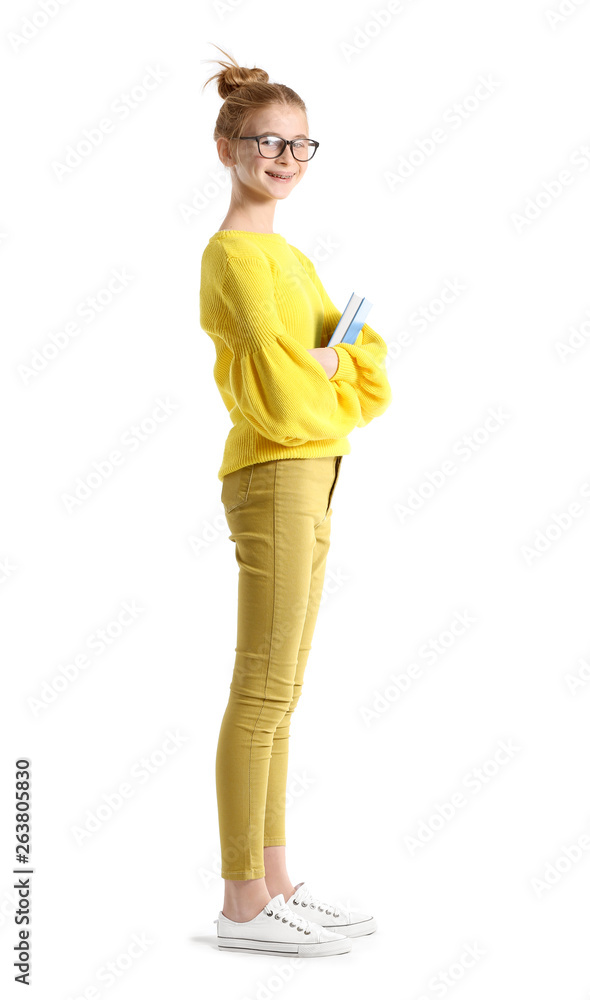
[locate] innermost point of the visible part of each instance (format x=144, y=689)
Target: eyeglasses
x=272, y=146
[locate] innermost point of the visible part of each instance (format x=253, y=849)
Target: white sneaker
x=278, y=931
x=336, y=918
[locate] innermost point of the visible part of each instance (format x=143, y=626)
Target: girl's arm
x=280, y=388
x=361, y=365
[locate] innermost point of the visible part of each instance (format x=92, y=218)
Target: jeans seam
x=272, y=621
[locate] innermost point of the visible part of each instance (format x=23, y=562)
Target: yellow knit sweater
x=263, y=304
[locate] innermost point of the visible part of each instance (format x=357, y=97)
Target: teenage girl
x=292, y=400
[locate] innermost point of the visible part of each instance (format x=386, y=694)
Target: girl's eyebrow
x=270, y=132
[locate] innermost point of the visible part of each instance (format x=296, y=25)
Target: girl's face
x=252, y=170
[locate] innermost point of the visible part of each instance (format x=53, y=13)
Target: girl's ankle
x=242, y=912
x=242, y=908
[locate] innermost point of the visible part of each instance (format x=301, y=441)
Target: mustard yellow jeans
x=279, y=516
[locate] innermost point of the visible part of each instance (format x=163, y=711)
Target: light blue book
x=351, y=322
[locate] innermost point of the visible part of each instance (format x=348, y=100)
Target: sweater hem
x=312, y=449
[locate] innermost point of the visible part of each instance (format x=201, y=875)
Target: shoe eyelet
x=277, y=916
x=304, y=904
x=300, y=928
x=285, y=920
x=295, y=902
x=307, y=932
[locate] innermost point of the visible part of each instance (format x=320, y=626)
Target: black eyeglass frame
x=286, y=142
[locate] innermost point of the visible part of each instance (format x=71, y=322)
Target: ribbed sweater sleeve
x=362, y=364
x=279, y=387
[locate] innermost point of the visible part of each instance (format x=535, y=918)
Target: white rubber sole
x=314, y=950
x=356, y=930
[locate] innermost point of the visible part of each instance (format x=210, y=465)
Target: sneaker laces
x=304, y=898
x=288, y=917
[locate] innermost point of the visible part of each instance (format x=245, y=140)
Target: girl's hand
x=327, y=357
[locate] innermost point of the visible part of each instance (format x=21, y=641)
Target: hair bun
x=233, y=76
x=239, y=76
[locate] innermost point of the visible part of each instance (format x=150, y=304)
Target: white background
x=484, y=210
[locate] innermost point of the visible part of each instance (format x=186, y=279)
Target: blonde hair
x=245, y=91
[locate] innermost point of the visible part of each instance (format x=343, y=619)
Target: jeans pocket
x=236, y=488
x=335, y=480
x=331, y=493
